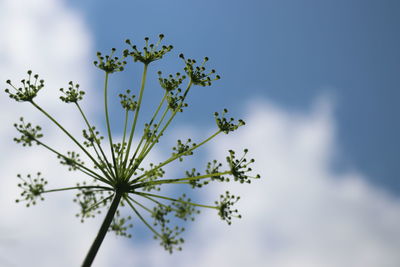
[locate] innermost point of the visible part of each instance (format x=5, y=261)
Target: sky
x=315, y=82
x=290, y=52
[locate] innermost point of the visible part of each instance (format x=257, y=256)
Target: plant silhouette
x=121, y=179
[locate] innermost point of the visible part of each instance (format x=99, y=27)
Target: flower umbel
x=119, y=180
x=171, y=83
x=150, y=53
x=198, y=74
x=29, y=88
x=110, y=63
x=30, y=134
x=33, y=189
x=226, y=125
x=225, y=210
x=72, y=94
x=72, y=160
x=127, y=101
x=239, y=167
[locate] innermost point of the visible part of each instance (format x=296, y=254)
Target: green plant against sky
x=118, y=177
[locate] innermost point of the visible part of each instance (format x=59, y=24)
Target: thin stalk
x=143, y=83
x=141, y=205
x=153, y=200
x=134, y=167
x=176, y=156
x=108, y=125
x=169, y=181
x=148, y=142
x=174, y=199
x=69, y=135
x=103, y=231
x=158, y=202
x=82, y=168
x=103, y=200
x=124, y=136
x=158, y=109
x=125, y=125
x=150, y=124
x=141, y=217
x=145, y=151
x=100, y=148
x=77, y=187
x=169, y=121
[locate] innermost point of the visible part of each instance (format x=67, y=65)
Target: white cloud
x=52, y=40
x=301, y=213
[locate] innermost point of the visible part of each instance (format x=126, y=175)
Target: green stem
x=103, y=200
x=124, y=136
x=173, y=199
x=77, y=187
x=103, y=231
x=157, y=202
x=145, y=151
x=158, y=109
x=135, y=166
x=168, y=122
x=69, y=135
x=104, y=160
x=143, y=83
x=152, y=141
x=150, y=124
x=176, y=156
x=108, y=125
x=169, y=181
x=141, y=217
x=82, y=168
x=125, y=125
x=171, y=118
x=141, y=205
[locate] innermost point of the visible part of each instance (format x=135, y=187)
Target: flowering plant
x=121, y=179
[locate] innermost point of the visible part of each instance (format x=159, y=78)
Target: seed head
x=110, y=63
x=72, y=94
x=28, y=91
x=30, y=133
x=32, y=189
x=151, y=52
x=197, y=74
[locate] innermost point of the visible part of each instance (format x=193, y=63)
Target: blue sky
x=289, y=52
x=316, y=82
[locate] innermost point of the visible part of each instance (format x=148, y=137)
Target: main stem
x=103, y=231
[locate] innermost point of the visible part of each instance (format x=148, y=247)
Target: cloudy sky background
x=316, y=84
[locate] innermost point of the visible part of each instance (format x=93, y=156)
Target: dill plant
x=121, y=179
